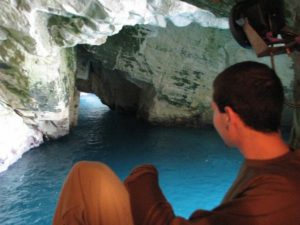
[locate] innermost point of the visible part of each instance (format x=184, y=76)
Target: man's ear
x=232, y=116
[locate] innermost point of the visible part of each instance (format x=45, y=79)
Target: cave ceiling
x=218, y=7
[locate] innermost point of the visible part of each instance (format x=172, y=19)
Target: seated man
x=247, y=105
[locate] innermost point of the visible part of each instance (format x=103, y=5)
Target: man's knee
x=90, y=167
x=93, y=171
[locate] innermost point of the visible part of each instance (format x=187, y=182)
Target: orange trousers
x=93, y=195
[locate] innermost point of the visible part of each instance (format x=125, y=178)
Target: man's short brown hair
x=254, y=92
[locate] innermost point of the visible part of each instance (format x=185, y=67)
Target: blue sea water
x=195, y=167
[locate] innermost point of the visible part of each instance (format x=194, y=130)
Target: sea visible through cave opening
x=195, y=168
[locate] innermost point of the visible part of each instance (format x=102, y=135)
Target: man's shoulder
x=282, y=170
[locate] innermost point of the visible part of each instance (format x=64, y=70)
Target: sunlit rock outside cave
x=148, y=60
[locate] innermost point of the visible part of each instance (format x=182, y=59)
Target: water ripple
x=189, y=161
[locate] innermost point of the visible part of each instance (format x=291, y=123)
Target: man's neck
x=263, y=146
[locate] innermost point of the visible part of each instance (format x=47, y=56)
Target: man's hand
x=147, y=200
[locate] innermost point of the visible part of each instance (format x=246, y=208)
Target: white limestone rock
x=37, y=37
x=16, y=137
x=176, y=65
x=179, y=64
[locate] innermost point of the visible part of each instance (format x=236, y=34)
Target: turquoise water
x=195, y=167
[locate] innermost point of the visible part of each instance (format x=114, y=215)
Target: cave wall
x=174, y=67
x=161, y=69
x=38, y=60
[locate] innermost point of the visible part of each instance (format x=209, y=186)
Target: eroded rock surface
x=37, y=57
x=173, y=68
x=160, y=66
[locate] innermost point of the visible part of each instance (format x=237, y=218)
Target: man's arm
x=265, y=200
x=149, y=205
